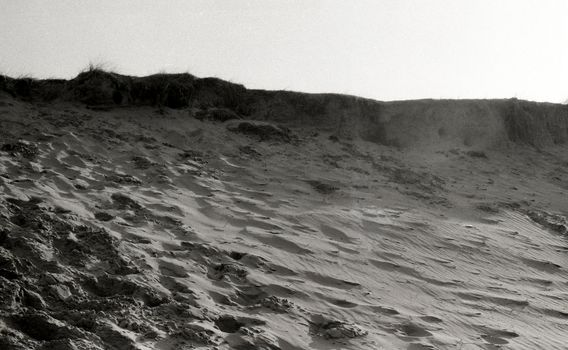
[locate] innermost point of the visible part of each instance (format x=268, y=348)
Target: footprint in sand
x=546, y=266
x=330, y=328
x=497, y=336
x=410, y=329
x=172, y=269
x=336, y=301
x=431, y=319
x=335, y=234
x=330, y=281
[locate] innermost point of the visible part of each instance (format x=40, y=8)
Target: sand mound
x=308, y=222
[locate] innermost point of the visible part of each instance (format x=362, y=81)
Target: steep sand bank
x=274, y=220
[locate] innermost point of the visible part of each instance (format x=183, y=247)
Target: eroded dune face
x=408, y=225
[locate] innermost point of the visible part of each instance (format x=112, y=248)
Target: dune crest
x=430, y=123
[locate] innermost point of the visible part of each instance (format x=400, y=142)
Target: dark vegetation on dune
x=471, y=123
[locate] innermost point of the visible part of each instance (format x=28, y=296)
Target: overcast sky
x=387, y=50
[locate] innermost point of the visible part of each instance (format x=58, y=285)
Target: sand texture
x=287, y=222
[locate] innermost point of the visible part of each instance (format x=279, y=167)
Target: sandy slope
x=133, y=229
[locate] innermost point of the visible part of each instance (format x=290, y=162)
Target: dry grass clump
x=27, y=87
x=95, y=86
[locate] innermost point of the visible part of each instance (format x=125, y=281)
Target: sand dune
x=311, y=222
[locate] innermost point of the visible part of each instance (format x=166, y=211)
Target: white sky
x=389, y=49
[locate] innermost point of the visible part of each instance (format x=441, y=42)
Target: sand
x=142, y=228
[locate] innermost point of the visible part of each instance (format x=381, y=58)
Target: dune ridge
x=431, y=123
x=172, y=212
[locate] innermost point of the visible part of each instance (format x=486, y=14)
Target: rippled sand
x=133, y=229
